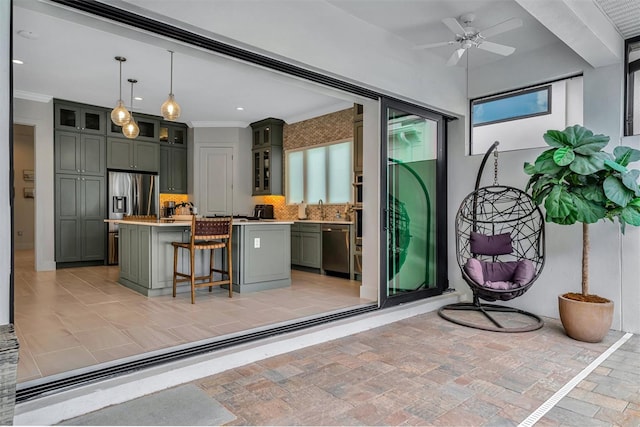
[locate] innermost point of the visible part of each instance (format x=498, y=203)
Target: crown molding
x=31, y=96
x=217, y=124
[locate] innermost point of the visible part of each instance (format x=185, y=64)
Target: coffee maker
x=169, y=209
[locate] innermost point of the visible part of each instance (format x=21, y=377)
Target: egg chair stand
x=500, y=251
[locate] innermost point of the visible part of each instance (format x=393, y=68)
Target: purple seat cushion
x=499, y=244
x=500, y=275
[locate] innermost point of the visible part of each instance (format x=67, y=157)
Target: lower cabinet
x=306, y=245
x=80, y=210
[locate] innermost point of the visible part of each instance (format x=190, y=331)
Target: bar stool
x=206, y=234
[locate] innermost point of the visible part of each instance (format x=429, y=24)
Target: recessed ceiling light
x=28, y=34
x=137, y=98
x=240, y=108
x=17, y=61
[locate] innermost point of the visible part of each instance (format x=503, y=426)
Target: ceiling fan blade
x=500, y=49
x=509, y=24
x=453, y=25
x=430, y=45
x=455, y=57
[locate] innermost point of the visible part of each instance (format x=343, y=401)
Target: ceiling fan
x=468, y=37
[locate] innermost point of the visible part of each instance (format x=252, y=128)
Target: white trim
x=53, y=409
x=217, y=124
x=32, y=96
x=558, y=395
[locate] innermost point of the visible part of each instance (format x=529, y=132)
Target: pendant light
x=170, y=109
x=131, y=129
x=120, y=115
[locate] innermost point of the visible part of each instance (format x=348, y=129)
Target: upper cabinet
x=357, y=138
x=267, y=132
x=80, y=118
x=149, y=128
x=133, y=155
x=267, y=156
x=79, y=153
x=173, y=134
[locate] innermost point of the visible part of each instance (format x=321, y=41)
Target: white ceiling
x=73, y=58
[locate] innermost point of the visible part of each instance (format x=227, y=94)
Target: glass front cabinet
x=267, y=156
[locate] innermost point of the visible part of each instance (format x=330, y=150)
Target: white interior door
x=215, y=181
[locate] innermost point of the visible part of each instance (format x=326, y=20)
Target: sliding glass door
x=413, y=263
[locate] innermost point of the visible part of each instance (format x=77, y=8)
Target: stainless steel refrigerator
x=129, y=194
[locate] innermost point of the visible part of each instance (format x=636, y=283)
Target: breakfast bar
x=261, y=252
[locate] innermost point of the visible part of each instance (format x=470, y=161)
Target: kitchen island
x=261, y=252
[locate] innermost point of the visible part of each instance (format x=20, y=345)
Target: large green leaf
x=559, y=205
x=587, y=211
x=615, y=166
x=616, y=191
x=545, y=164
x=625, y=155
x=592, y=192
x=529, y=169
x=630, y=180
x=586, y=165
x=588, y=143
x=556, y=138
x=563, y=156
x=631, y=215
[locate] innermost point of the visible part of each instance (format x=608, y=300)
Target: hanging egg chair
x=500, y=252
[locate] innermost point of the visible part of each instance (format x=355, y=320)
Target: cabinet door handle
x=83, y=170
x=77, y=170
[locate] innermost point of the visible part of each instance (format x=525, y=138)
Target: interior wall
x=240, y=140
x=40, y=115
x=5, y=131
x=23, y=206
x=602, y=113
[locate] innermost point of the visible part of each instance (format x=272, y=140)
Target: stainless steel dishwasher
x=335, y=247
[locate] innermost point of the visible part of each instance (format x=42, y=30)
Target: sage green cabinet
x=132, y=154
x=80, y=118
x=306, y=245
x=149, y=128
x=173, y=170
x=79, y=153
x=80, y=209
x=267, y=138
x=134, y=248
x=173, y=134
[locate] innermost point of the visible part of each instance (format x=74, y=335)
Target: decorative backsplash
x=290, y=212
x=168, y=197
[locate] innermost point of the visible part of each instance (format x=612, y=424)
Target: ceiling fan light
x=120, y=115
x=170, y=109
x=131, y=129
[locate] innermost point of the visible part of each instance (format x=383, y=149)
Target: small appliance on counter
x=263, y=211
x=169, y=209
x=302, y=210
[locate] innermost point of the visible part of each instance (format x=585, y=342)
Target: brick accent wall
x=307, y=133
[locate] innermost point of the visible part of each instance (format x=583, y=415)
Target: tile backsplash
x=290, y=212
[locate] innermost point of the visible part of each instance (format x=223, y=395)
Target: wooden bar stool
x=211, y=234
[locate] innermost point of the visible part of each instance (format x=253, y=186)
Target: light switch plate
x=256, y=243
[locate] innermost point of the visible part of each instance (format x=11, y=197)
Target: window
x=529, y=103
x=632, y=93
x=320, y=172
x=519, y=118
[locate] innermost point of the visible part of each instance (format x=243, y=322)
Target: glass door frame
x=442, y=282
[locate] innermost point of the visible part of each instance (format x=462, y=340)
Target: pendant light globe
x=120, y=115
x=131, y=129
x=170, y=109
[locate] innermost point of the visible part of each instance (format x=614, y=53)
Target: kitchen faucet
x=321, y=206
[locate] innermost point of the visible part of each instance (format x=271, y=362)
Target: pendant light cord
x=131, y=105
x=171, y=80
x=120, y=80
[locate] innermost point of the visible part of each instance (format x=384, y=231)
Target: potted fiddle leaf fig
x=579, y=182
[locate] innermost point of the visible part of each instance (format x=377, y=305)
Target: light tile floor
x=78, y=317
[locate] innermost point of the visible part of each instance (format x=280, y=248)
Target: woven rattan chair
x=206, y=234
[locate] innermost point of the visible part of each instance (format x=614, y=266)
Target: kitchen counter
x=338, y=221
x=261, y=253
x=174, y=223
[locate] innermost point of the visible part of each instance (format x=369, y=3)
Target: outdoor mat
x=183, y=405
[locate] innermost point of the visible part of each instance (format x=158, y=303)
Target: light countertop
x=170, y=223
x=338, y=221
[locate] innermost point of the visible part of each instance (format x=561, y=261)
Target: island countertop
x=174, y=223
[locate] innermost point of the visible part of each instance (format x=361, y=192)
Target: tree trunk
x=585, y=259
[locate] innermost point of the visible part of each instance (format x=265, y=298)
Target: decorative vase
x=585, y=321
